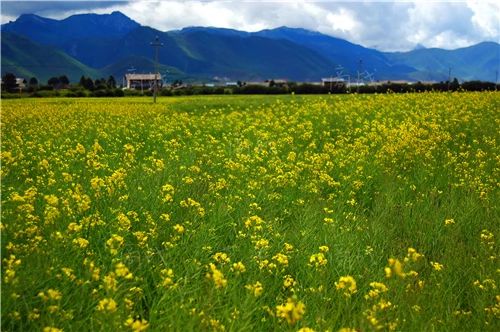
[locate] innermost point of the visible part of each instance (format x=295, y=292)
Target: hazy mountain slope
x=475, y=62
x=111, y=43
x=27, y=59
x=138, y=64
x=252, y=57
x=101, y=52
x=351, y=57
x=58, y=32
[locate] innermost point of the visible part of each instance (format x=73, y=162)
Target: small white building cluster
x=20, y=83
x=142, y=81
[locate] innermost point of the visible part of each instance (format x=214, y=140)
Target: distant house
x=277, y=82
x=392, y=82
x=258, y=83
x=142, y=81
x=333, y=81
x=20, y=83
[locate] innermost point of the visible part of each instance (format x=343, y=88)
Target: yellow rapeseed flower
x=256, y=289
x=437, y=266
x=291, y=311
x=107, y=305
x=137, y=325
x=216, y=276
x=347, y=284
x=317, y=260
x=239, y=267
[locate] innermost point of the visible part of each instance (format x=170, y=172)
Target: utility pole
x=496, y=80
x=449, y=78
x=156, y=44
x=360, y=65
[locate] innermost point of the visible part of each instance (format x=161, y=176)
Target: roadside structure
x=143, y=81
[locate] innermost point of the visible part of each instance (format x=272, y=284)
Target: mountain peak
x=80, y=26
x=116, y=18
x=419, y=47
x=28, y=17
x=213, y=30
x=118, y=13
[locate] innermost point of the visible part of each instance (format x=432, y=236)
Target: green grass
x=367, y=176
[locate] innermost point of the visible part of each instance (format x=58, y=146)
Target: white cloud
x=486, y=17
x=385, y=25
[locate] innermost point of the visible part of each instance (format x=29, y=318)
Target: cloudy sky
x=385, y=25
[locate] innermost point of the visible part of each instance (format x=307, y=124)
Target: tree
x=54, y=82
x=177, y=83
x=33, y=82
x=111, y=82
x=89, y=84
x=9, y=82
x=82, y=81
x=63, y=80
x=100, y=84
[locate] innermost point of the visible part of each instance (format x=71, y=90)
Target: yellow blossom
x=288, y=281
x=81, y=242
x=216, y=276
x=281, y=258
x=413, y=255
x=347, y=284
x=115, y=242
x=107, y=305
x=437, y=266
x=122, y=271
x=291, y=311
x=221, y=258
x=318, y=260
x=256, y=289
x=51, y=329
x=239, y=267
x=395, y=268
x=376, y=289
x=324, y=249
x=179, y=228
x=449, y=222
x=167, y=278
x=54, y=294
x=137, y=325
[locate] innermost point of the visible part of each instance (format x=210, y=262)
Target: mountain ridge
x=104, y=41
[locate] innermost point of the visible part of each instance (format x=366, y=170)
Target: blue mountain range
x=113, y=44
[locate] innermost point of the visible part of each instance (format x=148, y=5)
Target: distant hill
x=469, y=63
x=351, y=57
x=58, y=32
x=27, y=59
x=251, y=57
x=139, y=64
x=112, y=43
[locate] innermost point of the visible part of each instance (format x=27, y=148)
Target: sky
x=384, y=25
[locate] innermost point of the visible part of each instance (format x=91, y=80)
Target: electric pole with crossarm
x=156, y=44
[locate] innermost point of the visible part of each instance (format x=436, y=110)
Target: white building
x=333, y=81
x=142, y=81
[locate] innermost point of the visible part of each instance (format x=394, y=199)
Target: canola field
x=291, y=213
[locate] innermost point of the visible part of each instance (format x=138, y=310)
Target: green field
x=251, y=213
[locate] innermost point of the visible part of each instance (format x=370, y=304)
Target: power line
x=156, y=44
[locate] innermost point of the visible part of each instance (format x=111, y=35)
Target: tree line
x=88, y=87
x=61, y=86
x=308, y=88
